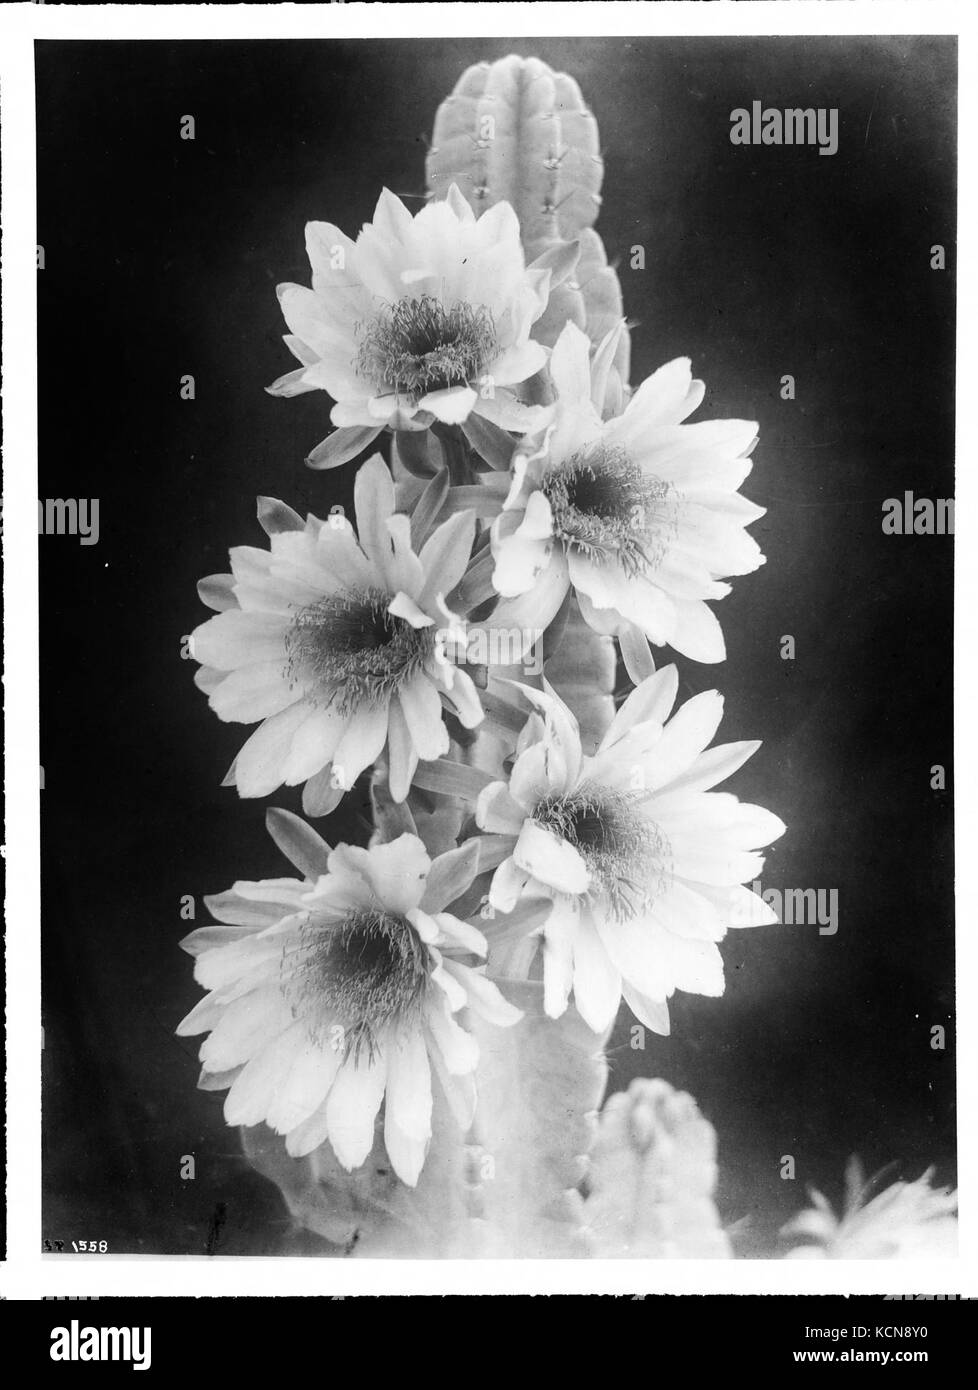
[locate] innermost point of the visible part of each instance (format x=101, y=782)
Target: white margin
x=29, y=1275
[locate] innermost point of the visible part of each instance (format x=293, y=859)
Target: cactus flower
x=340, y=649
x=640, y=513
x=644, y=864
x=907, y=1220
x=329, y=996
x=423, y=318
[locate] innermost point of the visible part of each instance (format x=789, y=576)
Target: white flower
x=340, y=648
x=639, y=513
x=330, y=995
x=907, y=1220
x=420, y=319
x=643, y=863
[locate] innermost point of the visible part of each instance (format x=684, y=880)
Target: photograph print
x=496, y=692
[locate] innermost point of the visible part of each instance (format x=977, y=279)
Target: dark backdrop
x=161, y=258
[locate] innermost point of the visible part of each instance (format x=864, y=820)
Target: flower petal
x=313, y=744
x=373, y=493
x=558, y=955
x=652, y=700
x=508, y=883
x=736, y=906
x=519, y=362
x=684, y=738
x=451, y=406
x=402, y=754
x=233, y=639
x=298, y=842
x=445, y=555
x=260, y=765
x=507, y=413
x=360, y=745
x=252, y=692
x=569, y=365
x=550, y=859
x=407, y=1111
x=484, y=998
x=305, y=1087
x=450, y=875
x=459, y=1049
x=248, y=1100
x=654, y=1013
x=463, y=696
x=498, y=812
x=685, y=913
x=597, y=984
x=331, y=254
x=342, y=445
x=536, y=609
x=352, y=1106
x=246, y=1026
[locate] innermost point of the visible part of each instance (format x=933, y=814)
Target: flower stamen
x=348, y=650
x=366, y=972
x=626, y=854
x=418, y=345
x=605, y=505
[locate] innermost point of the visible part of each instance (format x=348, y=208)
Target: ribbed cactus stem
x=653, y=1174
x=582, y=671
x=516, y=131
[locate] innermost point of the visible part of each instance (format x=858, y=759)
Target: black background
x=776, y=1328
x=161, y=259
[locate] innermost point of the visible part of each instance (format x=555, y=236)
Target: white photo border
x=29, y=1275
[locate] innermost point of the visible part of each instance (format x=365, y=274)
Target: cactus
x=582, y=670
x=508, y=1188
x=370, y=1212
x=517, y=1161
x=539, y=1086
x=652, y=1180
x=517, y=131
x=905, y=1220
